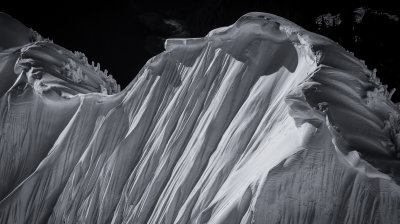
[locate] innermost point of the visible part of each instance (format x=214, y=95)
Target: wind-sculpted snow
x=258, y=122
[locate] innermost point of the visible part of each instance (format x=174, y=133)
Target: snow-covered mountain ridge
x=258, y=122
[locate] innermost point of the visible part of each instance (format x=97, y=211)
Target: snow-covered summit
x=258, y=122
x=28, y=58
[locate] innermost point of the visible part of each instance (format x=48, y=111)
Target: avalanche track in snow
x=258, y=122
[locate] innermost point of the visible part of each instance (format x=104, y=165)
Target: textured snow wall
x=258, y=122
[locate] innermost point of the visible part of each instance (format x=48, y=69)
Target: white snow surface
x=258, y=122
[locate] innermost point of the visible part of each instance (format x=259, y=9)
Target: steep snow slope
x=258, y=122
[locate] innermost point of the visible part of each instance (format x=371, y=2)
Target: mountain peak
x=258, y=122
x=28, y=60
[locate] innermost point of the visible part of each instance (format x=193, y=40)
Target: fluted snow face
x=259, y=122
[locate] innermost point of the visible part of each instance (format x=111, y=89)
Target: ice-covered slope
x=258, y=122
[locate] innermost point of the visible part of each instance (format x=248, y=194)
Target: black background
x=123, y=35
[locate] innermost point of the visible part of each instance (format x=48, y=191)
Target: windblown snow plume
x=258, y=122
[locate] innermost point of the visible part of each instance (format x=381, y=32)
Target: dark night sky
x=123, y=35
